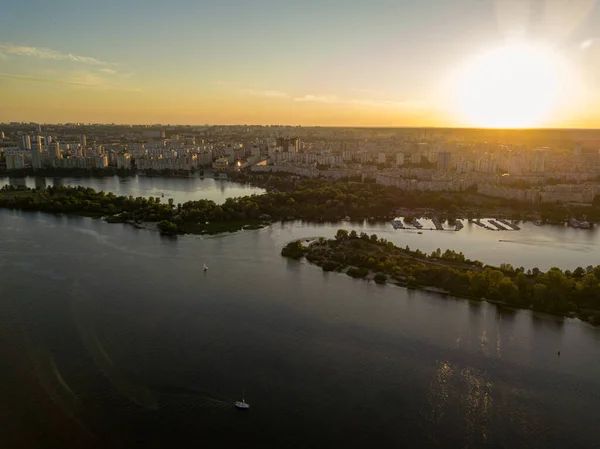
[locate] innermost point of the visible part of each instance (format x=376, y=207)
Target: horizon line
x=466, y=128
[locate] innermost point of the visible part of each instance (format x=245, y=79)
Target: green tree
x=380, y=278
x=540, y=291
x=167, y=227
x=341, y=234
x=508, y=291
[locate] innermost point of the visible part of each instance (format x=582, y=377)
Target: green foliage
x=554, y=291
x=341, y=234
x=330, y=266
x=357, y=272
x=167, y=227
x=293, y=250
x=380, y=278
x=309, y=200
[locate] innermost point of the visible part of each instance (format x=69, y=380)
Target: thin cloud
x=419, y=107
x=88, y=81
x=265, y=93
x=399, y=105
x=46, y=53
x=318, y=99
x=108, y=71
x=410, y=105
x=368, y=91
x=588, y=43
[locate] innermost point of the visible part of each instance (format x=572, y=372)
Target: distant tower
x=83, y=141
x=54, y=151
x=283, y=143
x=399, y=159
x=295, y=144
x=444, y=161
x=26, y=144
x=36, y=156
x=538, y=163
x=516, y=164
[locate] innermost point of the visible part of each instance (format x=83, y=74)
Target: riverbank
x=328, y=203
x=567, y=294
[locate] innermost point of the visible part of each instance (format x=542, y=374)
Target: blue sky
x=204, y=57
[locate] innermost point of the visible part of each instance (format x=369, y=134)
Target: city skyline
x=385, y=64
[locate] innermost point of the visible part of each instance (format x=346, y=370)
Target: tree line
x=567, y=293
x=325, y=202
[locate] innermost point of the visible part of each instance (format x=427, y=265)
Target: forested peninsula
x=287, y=198
x=307, y=201
x=567, y=293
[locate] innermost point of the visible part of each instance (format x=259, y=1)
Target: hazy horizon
x=461, y=64
x=274, y=125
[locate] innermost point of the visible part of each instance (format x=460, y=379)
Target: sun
x=513, y=86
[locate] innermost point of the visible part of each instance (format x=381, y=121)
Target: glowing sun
x=512, y=86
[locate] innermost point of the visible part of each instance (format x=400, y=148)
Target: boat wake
x=583, y=247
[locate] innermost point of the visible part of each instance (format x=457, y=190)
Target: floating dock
x=511, y=225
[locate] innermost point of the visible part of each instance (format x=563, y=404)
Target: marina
x=490, y=224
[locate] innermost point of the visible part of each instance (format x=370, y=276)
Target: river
x=180, y=189
x=112, y=336
x=533, y=246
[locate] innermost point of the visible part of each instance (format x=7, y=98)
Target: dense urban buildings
x=532, y=166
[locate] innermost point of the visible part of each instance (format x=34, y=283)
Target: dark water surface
x=114, y=337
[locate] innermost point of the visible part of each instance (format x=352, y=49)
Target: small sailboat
x=205, y=267
x=242, y=405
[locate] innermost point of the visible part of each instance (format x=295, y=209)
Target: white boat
x=537, y=223
x=205, y=267
x=243, y=405
x=584, y=225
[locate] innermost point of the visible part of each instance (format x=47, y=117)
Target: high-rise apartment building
x=538, y=162
x=83, y=141
x=516, y=165
x=26, y=142
x=54, y=151
x=124, y=161
x=36, y=156
x=289, y=145
x=444, y=161
x=399, y=159
x=15, y=161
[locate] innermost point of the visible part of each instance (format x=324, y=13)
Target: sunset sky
x=326, y=62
